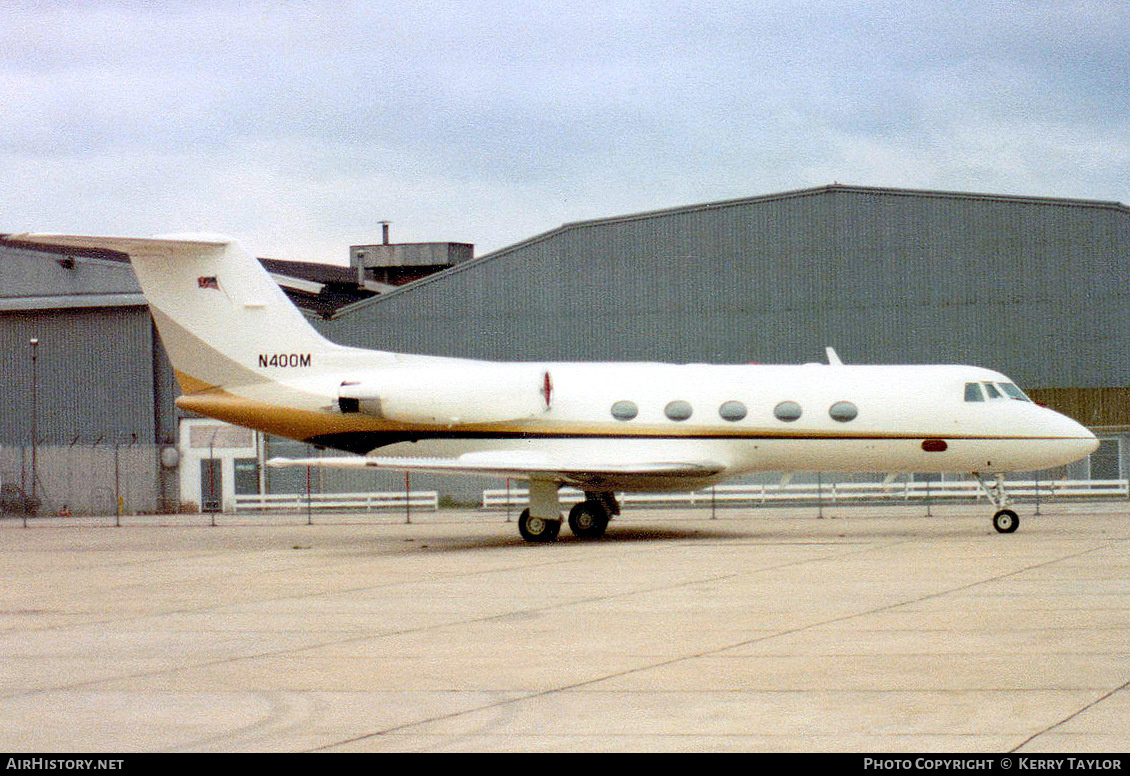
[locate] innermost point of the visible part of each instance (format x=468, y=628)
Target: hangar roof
x=831, y=189
x=320, y=289
x=1036, y=286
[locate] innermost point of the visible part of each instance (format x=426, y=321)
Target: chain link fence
x=81, y=479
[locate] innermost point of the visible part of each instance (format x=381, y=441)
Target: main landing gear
x=1005, y=520
x=587, y=520
x=538, y=529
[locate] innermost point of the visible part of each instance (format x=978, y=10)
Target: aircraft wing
x=523, y=466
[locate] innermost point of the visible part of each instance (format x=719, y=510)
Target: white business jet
x=244, y=354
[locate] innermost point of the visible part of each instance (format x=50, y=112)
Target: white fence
x=836, y=493
x=324, y=502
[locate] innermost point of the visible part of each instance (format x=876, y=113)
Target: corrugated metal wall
x=105, y=389
x=1037, y=288
x=96, y=375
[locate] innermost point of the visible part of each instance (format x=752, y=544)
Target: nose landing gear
x=1005, y=520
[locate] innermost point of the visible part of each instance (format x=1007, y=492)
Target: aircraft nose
x=1065, y=440
x=1081, y=437
x=1088, y=445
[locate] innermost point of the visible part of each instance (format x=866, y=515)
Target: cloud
x=298, y=126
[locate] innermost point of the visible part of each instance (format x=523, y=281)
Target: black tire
x=535, y=529
x=588, y=520
x=1006, y=521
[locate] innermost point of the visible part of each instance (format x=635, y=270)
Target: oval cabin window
x=678, y=410
x=788, y=411
x=732, y=411
x=625, y=410
x=843, y=411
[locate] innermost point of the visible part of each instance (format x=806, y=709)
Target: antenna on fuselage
x=833, y=357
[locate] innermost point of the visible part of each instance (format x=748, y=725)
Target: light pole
x=34, y=417
x=212, y=474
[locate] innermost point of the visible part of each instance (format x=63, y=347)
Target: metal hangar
x=1035, y=287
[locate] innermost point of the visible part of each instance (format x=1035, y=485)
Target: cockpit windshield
x=978, y=391
x=1014, y=392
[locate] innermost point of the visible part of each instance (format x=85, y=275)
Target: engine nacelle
x=434, y=397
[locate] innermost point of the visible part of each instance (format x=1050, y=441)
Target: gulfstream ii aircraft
x=245, y=355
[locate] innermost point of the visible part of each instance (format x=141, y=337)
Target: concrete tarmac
x=873, y=629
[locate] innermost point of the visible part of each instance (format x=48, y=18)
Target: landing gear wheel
x=537, y=529
x=1006, y=521
x=588, y=519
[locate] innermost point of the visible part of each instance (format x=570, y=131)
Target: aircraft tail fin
x=222, y=319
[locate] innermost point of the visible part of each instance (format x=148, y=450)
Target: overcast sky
x=298, y=126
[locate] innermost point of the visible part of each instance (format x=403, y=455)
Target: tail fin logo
x=213, y=282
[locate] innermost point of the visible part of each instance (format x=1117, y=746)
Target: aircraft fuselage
x=747, y=418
